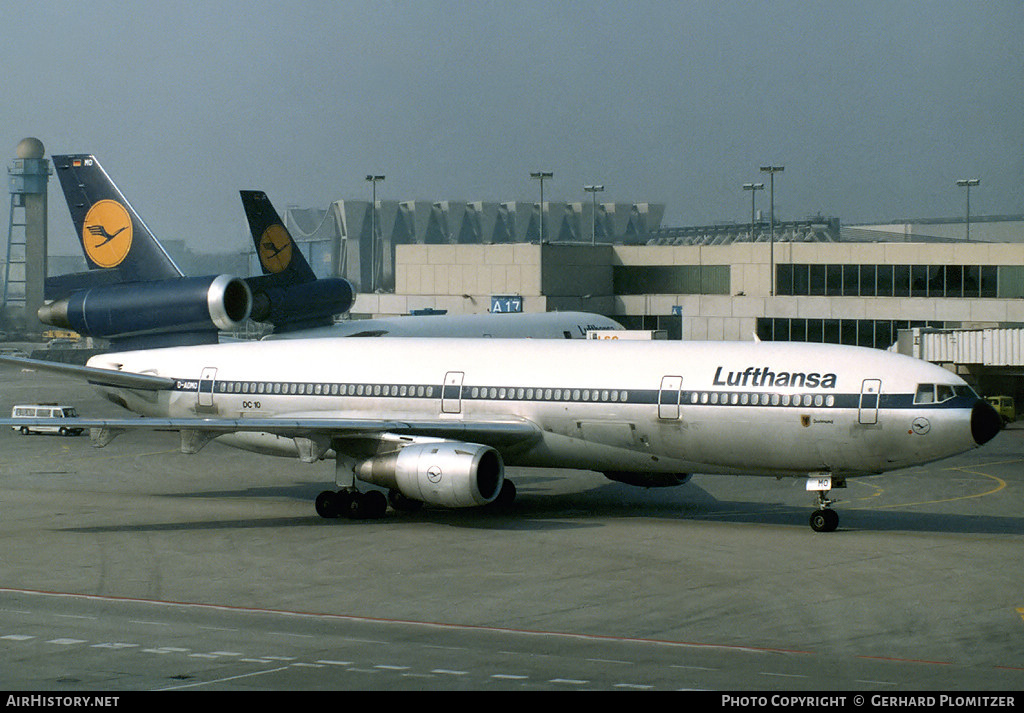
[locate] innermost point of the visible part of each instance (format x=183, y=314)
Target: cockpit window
x=925, y=394
x=965, y=390
x=935, y=393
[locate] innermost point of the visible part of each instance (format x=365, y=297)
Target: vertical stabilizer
x=114, y=239
x=278, y=253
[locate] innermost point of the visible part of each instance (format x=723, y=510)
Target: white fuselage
x=643, y=407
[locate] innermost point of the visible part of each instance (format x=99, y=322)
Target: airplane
x=136, y=296
x=437, y=421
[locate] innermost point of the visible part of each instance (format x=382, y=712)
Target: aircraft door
x=668, y=397
x=870, y=391
x=206, y=383
x=451, y=392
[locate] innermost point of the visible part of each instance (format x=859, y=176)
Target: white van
x=45, y=411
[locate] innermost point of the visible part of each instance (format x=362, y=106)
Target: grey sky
x=875, y=107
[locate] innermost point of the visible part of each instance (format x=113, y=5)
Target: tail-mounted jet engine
x=300, y=305
x=444, y=473
x=120, y=312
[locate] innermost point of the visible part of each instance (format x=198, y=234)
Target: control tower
x=24, y=272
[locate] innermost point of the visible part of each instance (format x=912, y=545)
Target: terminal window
x=952, y=281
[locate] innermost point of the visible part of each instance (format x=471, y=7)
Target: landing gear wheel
x=370, y=505
x=824, y=520
x=506, y=496
x=327, y=505
x=330, y=505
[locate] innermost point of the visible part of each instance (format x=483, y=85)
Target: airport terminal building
x=851, y=286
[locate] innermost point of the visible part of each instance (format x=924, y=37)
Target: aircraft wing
x=317, y=430
x=93, y=375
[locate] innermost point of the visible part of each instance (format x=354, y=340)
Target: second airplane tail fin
x=288, y=294
x=278, y=252
x=118, y=245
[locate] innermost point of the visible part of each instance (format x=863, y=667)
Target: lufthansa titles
x=764, y=376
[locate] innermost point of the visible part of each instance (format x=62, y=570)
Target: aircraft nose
x=985, y=422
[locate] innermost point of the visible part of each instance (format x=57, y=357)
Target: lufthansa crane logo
x=275, y=248
x=434, y=474
x=107, y=233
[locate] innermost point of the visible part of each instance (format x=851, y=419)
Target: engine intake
x=445, y=473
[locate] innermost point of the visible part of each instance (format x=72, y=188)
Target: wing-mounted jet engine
x=420, y=471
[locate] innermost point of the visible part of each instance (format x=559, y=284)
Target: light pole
x=771, y=171
x=373, y=180
x=753, y=188
x=967, y=183
x=593, y=190
x=541, y=175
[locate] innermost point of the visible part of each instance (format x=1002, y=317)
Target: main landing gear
x=373, y=504
x=351, y=503
x=824, y=519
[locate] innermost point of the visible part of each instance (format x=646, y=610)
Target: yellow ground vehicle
x=1004, y=406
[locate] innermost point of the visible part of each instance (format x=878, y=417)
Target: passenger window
x=925, y=394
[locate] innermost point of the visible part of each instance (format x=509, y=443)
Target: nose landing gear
x=824, y=519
